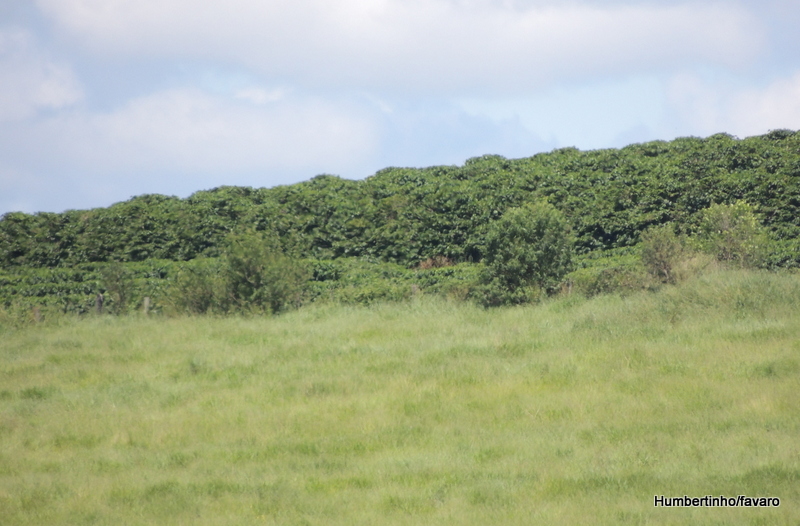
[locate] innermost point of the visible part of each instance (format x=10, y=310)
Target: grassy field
x=571, y=412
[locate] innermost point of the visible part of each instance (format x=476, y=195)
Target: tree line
x=407, y=215
x=495, y=231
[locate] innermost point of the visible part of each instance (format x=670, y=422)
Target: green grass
x=571, y=412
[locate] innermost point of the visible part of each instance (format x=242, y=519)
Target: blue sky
x=101, y=100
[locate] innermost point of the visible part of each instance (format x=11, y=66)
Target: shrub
x=117, y=282
x=529, y=249
x=259, y=277
x=733, y=235
x=252, y=276
x=435, y=262
x=661, y=252
x=617, y=271
x=623, y=279
x=201, y=289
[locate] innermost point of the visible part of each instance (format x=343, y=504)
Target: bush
x=529, y=250
x=259, y=277
x=435, y=262
x=201, y=289
x=622, y=279
x=617, y=271
x=661, y=252
x=116, y=280
x=252, y=276
x=733, y=235
x=357, y=281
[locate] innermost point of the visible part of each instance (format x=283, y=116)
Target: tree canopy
x=406, y=215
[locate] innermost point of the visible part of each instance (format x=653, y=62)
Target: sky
x=102, y=100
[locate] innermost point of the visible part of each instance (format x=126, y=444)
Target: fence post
x=146, y=305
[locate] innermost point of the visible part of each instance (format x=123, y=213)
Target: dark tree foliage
x=528, y=251
x=406, y=215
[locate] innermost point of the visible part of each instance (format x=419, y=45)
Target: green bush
x=200, y=288
x=74, y=290
x=259, y=277
x=733, y=235
x=528, y=251
x=661, y=253
x=253, y=275
x=359, y=281
x=608, y=272
x=117, y=283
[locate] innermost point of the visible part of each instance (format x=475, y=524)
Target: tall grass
x=429, y=412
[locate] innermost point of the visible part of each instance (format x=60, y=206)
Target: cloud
x=708, y=106
x=188, y=94
x=189, y=130
x=588, y=115
x=777, y=106
x=417, y=45
x=182, y=140
x=29, y=81
x=260, y=95
x=437, y=134
x=697, y=104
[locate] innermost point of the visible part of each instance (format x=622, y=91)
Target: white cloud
x=707, y=107
x=183, y=140
x=177, y=141
x=777, y=106
x=260, y=95
x=29, y=81
x=191, y=131
x=592, y=115
x=189, y=94
x=445, y=45
x=697, y=104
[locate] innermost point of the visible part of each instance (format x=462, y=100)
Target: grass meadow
x=574, y=411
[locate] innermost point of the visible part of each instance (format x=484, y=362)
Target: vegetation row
x=406, y=215
x=494, y=231
x=530, y=254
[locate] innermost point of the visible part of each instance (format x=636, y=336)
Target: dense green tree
x=529, y=249
x=200, y=289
